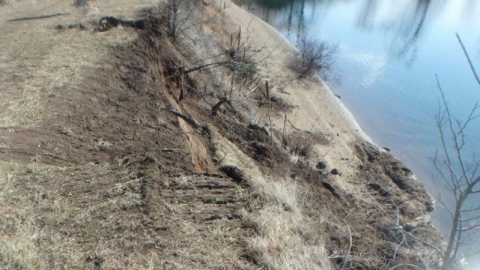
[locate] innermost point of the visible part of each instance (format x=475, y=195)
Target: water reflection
x=410, y=31
x=403, y=21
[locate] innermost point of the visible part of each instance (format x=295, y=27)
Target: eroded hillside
x=124, y=146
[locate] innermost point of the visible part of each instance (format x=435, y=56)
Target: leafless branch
x=468, y=58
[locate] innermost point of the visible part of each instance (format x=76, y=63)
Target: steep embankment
x=114, y=155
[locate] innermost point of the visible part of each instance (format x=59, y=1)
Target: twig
x=406, y=264
x=294, y=127
x=350, y=244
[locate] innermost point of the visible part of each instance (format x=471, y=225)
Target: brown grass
x=281, y=242
x=36, y=72
x=37, y=222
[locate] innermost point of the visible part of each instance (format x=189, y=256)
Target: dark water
x=389, y=54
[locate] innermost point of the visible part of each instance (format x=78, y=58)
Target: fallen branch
x=216, y=107
x=185, y=117
x=37, y=17
x=108, y=22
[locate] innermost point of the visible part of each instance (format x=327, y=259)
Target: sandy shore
x=328, y=107
x=317, y=108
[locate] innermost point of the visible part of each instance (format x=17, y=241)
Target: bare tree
x=460, y=173
x=461, y=177
x=178, y=16
x=314, y=57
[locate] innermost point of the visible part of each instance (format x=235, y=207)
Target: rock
x=430, y=206
x=260, y=150
x=374, y=186
x=321, y=165
x=410, y=209
x=234, y=173
x=126, y=161
x=149, y=160
x=331, y=189
x=287, y=207
x=136, y=175
x=334, y=172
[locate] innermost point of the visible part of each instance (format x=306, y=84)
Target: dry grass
x=36, y=72
x=282, y=240
x=29, y=211
x=89, y=220
x=85, y=216
x=35, y=219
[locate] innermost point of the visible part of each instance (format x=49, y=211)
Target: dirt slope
x=112, y=158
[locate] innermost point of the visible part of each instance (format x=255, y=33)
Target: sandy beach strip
x=316, y=107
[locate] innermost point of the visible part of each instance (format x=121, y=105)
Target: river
x=390, y=53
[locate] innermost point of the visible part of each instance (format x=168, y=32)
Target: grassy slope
x=96, y=172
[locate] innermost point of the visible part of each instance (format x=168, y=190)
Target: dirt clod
x=335, y=172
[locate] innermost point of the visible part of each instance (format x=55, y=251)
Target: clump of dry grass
x=301, y=143
x=80, y=3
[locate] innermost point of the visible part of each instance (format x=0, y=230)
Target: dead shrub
x=178, y=16
x=276, y=103
x=300, y=143
x=313, y=57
